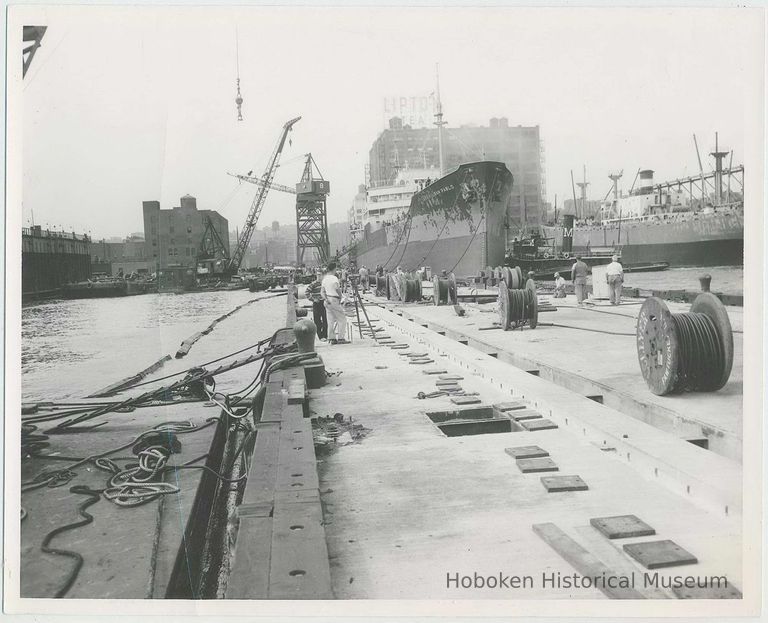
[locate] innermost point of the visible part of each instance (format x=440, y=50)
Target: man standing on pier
x=363, y=272
x=614, y=275
x=330, y=290
x=318, y=306
x=579, y=272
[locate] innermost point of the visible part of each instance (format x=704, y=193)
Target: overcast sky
x=125, y=104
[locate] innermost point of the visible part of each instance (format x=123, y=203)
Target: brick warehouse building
x=518, y=147
x=173, y=237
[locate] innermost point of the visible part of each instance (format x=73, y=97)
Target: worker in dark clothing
x=579, y=272
x=318, y=307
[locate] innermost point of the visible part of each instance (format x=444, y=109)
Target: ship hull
x=456, y=224
x=701, y=240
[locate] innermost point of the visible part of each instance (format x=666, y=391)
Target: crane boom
x=259, y=182
x=259, y=199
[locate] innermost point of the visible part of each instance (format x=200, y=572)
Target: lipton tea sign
x=415, y=111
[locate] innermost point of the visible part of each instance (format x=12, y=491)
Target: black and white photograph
x=424, y=310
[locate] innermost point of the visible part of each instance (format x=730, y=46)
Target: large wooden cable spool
x=411, y=288
x=682, y=352
x=381, y=286
x=513, y=278
x=439, y=291
x=445, y=290
x=453, y=290
x=518, y=306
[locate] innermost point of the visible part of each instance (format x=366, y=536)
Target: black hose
x=568, y=326
x=93, y=496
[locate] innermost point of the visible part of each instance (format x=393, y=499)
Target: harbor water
x=72, y=348
x=725, y=279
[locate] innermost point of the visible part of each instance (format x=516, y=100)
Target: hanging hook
x=239, y=98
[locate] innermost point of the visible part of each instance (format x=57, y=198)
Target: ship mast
x=439, y=121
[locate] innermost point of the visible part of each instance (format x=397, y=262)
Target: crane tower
x=311, y=216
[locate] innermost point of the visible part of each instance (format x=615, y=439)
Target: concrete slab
x=465, y=400
x=511, y=406
x=538, y=424
x=526, y=452
x=622, y=526
x=536, y=465
x=522, y=415
x=557, y=484
x=658, y=554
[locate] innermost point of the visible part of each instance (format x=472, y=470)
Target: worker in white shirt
x=398, y=273
x=330, y=291
x=614, y=275
x=559, y=286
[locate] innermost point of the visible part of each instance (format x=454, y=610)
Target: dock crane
x=311, y=217
x=265, y=183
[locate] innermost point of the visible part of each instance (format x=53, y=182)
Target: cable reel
x=513, y=278
x=518, y=307
x=685, y=352
x=445, y=291
x=382, y=286
x=410, y=289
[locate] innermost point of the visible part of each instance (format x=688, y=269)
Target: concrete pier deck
x=407, y=507
x=593, y=352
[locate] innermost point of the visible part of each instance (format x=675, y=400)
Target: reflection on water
x=72, y=347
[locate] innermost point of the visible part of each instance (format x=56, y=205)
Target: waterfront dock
x=365, y=487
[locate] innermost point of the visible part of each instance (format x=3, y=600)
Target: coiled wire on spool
x=518, y=307
x=444, y=290
x=513, y=278
x=410, y=289
x=690, y=351
x=381, y=286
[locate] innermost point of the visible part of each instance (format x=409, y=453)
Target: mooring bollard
x=305, y=332
x=705, y=281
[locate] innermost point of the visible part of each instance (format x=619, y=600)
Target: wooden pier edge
x=281, y=550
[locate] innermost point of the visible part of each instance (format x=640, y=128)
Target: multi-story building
x=50, y=259
x=518, y=147
x=173, y=237
x=127, y=256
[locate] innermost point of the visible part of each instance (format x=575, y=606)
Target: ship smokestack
x=567, y=233
x=646, y=182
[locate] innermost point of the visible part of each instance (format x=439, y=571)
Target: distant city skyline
x=152, y=115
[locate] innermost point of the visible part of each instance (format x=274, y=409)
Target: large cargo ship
x=663, y=223
x=456, y=223
x=707, y=238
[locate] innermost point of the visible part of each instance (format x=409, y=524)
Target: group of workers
x=614, y=276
